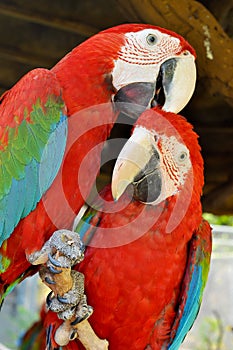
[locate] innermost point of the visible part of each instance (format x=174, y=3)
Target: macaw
x=47, y=126
x=147, y=255
x=146, y=263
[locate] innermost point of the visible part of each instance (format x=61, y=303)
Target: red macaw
x=42, y=147
x=146, y=263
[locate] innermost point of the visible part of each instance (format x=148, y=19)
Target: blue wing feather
x=191, y=308
x=193, y=284
x=37, y=179
x=52, y=155
x=89, y=222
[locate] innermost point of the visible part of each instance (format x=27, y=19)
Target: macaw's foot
x=67, y=298
x=73, y=303
x=57, y=256
x=63, y=250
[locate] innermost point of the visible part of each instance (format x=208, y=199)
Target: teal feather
x=193, y=284
x=191, y=308
x=30, y=164
x=89, y=222
x=30, y=180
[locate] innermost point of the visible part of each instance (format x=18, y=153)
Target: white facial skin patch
x=175, y=160
x=148, y=47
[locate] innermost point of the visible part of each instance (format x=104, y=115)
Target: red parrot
x=46, y=129
x=146, y=264
x=147, y=257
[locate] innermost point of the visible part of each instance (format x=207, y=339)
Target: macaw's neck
x=126, y=220
x=85, y=72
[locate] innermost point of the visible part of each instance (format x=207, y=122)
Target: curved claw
x=73, y=335
x=62, y=300
x=80, y=319
x=54, y=261
x=49, y=299
x=48, y=336
x=53, y=270
x=49, y=281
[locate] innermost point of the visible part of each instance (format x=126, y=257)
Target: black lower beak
x=134, y=98
x=148, y=188
x=171, y=89
x=148, y=183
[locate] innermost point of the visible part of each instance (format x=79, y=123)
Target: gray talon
x=62, y=300
x=82, y=318
x=73, y=335
x=49, y=281
x=54, y=261
x=49, y=299
x=76, y=321
x=53, y=270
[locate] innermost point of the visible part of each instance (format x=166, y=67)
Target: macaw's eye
x=151, y=39
x=183, y=156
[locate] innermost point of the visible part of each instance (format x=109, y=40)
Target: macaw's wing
x=193, y=284
x=33, y=128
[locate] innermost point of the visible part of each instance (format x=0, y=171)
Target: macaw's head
x=161, y=159
x=154, y=67
x=133, y=63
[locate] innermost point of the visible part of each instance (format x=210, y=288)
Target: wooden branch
x=49, y=21
x=89, y=339
x=33, y=60
x=192, y=20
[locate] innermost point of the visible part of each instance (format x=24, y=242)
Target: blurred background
x=38, y=33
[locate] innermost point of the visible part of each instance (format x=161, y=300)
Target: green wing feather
x=33, y=130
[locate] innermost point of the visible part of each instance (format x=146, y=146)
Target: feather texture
x=193, y=284
x=32, y=152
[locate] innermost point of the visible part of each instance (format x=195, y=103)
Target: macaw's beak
x=171, y=89
x=138, y=165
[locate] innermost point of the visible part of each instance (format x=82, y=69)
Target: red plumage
x=138, y=271
x=82, y=79
x=135, y=284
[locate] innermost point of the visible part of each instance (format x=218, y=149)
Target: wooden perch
x=47, y=20
x=85, y=334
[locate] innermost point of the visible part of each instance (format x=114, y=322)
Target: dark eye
x=151, y=39
x=182, y=156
